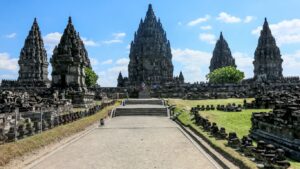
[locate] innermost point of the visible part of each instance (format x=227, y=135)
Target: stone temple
x=69, y=60
x=150, y=53
x=33, y=59
x=221, y=55
x=267, y=60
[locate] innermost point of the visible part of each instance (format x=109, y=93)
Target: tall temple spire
x=120, y=80
x=69, y=60
x=181, y=77
x=71, y=40
x=33, y=58
x=267, y=60
x=150, y=53
x=221, y=55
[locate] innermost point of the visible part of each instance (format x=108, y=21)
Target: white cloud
x=8, y=63
x=285, y=32
x=117, y=38
x=51, y=40
x=198, y=20
x=227, y=18
x=207, y=27
x=88, y=42
x=248, y=19
x=108, y=78
x=194, y=63
x=11, y=36
x=208, y=38
x=122, y=61
x=112, y=41
x=119, y=35
x=291, y=64
x=107, y=62
x=244, y=63
x=94, y=61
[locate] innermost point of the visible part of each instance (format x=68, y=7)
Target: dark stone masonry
x=281, y=126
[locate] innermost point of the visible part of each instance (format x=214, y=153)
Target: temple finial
x=221, y=36
x=266, y=22
x=70, y=20
x=150, y=12
x=150, y=7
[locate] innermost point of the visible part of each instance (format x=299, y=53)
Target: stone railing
x=45, y=120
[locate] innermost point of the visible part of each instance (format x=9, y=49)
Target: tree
x=228, y=74
x=90, y=77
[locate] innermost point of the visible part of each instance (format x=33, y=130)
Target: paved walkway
x=136, y=142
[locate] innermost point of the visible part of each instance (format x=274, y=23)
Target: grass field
x=238, y=122
x=10, y=151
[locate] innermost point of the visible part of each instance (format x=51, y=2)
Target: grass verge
x=239, y=122
x=10, y=151
x=218, y=145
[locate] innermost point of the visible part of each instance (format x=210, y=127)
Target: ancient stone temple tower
x=150, y=53
x=221, y=55
x=69, y=61
x=267, y=59
x=120, y=80
x=33, y=60
x=181, y=77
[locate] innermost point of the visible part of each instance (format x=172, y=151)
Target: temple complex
x=150, y=53
x=33, y=60
x=267, y=60
x=43, y=103
x=221, y=55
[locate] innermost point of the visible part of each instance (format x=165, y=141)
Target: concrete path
x=136, y=142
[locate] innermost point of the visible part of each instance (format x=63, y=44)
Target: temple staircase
x=141, y=107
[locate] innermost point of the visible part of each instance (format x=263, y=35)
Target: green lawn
x=238, y=122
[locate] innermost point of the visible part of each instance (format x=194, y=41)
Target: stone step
x=141, y=111
x=143, y=101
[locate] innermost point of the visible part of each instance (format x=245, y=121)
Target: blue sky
x=107, y=27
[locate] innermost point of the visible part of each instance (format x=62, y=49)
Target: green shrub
x=91, y=77
x=226, y=74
